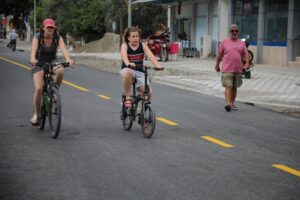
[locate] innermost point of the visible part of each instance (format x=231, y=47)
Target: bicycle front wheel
x=54, y=113
x=42, y=116
x=126, y=119
x=148, y=121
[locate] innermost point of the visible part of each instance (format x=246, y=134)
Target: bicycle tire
x=164, y=54
x=247, y=74
x=42, y=116
x=54, y=113
x=148, y=121
x=251, y=56
x=127, y=120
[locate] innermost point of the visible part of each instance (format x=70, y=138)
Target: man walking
x=230, y=53
x=13, y=40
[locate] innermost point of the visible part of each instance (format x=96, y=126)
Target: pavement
x=198, y=150
x=274, y=87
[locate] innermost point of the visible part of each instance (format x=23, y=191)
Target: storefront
x=271, y=25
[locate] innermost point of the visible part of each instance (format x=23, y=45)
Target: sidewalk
x=274, y=87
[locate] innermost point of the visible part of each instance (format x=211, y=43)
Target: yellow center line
x=15, y=63
x=287, y=169
x=218, y=142
x=166, y=121
x=75, y=86
x=103, y=97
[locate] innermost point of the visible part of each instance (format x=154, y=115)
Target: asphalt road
x=94, y=158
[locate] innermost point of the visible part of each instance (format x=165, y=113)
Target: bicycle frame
x=137, y=98
x=50, y=97
x=47, y=87
x=146, y=116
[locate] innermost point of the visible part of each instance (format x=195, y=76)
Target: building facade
x=272, y=26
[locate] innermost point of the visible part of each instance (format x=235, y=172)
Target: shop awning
x=155, y=1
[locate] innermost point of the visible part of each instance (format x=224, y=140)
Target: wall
x=296, y=29
x=271, y=55
x=274, y=55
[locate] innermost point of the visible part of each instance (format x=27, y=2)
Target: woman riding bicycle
x=43, y=50
x=132, y=53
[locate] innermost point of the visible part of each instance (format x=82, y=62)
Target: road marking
x=29, y=68
x=75, y=86
x=287, y=169
x=218, y=142
x=166, y=121
x=104, y=97
x=15, y=63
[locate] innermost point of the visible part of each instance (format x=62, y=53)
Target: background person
x=43, y=50
x=231, y=51
x=12, y=38
x=162, y=29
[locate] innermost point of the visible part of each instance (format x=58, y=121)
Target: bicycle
x=51, y=102
x=146, y=117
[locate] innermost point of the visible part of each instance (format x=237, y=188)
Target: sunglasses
x=234, y=31
x=50, y=27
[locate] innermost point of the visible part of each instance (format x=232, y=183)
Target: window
x=276, y=22
x=245, y=15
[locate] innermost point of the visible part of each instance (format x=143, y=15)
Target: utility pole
x=34, y=17
x=129, y=13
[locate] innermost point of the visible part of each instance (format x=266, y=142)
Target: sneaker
x=228, y=108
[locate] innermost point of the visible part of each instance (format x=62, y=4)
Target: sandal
x=128, y=103
x=233, y=107
x=34, y=120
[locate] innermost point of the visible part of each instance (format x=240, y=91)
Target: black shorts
x=36, y=69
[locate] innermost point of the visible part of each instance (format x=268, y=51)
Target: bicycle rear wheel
x=54, y=113
x=148, y=121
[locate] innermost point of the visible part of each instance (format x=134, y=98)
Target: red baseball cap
x=49, y=23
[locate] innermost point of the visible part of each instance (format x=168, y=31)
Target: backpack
x=41, y=39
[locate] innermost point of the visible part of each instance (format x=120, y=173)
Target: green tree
x=16, y=8
x=148, y=16
x=92, y=18
x=83, y=18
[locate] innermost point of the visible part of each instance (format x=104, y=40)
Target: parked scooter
x=247, y=72
x=159, y=46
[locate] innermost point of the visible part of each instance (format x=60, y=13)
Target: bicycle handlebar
x=63, y=64
x=154, y=68
x=149, y=67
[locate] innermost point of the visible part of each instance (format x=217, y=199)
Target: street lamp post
x=34, y=17
x=129, y=13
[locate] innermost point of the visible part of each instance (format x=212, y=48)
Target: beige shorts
x=231, y=80
x=140, y=77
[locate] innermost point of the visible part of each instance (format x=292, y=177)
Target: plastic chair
x=174, y=49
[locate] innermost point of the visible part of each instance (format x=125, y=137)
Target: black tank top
x=136, y=56
x=46, y=54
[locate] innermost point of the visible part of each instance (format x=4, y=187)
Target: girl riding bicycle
x=132, y=53
x=43, y=50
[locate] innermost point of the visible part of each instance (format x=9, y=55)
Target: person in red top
x=230, y=53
